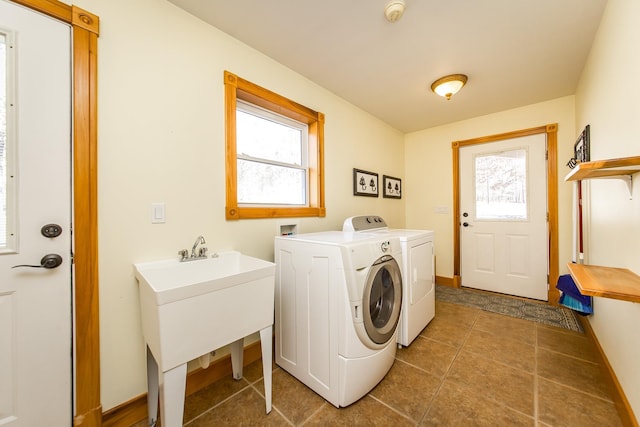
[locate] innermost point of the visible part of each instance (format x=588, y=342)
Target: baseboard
x=135, y=410
x=445, y=281
x=127, y=413
x=620, y=399
x=88, y=419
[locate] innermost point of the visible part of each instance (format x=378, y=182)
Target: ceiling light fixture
x=449, y=85
x=394, y=10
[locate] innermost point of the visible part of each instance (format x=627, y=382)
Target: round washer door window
x=382, y=299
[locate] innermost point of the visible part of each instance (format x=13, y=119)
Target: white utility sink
x=192, y=308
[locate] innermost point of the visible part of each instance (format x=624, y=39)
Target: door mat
x=515, y=307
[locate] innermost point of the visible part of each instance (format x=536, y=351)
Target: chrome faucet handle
x=184, y=254
x=199, y=240
x=202, y=253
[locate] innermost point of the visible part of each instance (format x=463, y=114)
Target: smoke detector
x=394, y=10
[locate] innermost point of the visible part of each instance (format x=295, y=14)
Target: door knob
x=51, y=230
x=48, y=261
x=465, y=224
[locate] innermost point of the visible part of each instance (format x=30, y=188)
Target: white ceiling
x=515, y=52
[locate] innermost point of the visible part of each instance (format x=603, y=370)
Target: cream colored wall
x=161, y=136
x=608, y=98
x=161, y=139
x=429, y=170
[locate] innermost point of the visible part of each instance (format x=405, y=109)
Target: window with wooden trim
x=274, y=154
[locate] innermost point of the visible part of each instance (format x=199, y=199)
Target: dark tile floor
x=467, y=368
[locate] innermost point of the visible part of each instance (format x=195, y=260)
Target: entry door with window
x=503, y=225
x=35, y=219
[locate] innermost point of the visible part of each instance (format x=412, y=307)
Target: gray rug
x=514, y=307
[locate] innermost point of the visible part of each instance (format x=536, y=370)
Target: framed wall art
x=581, y=149
x=365, y=183
x=392, y=187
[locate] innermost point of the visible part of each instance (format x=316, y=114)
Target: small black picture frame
x=391, y=187
x=365, y=183
x=581, y=148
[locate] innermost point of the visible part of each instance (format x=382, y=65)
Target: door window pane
x=8, y=236
x=3, y=141
x=501, y=185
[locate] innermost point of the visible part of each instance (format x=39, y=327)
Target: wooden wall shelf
x=606, y=282
x=625, y=166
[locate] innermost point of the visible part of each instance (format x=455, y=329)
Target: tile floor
x=467, y=368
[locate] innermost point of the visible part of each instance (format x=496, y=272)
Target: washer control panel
x=363, y=223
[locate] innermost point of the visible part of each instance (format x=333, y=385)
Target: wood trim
x=455, y=155
x=80, y=18
x=135, y=410
x=85, y=27
x=53, y=8
x=231, y=177
x=239, y=88
x=551, y=131
x=87, y=306
x=445, y=281
x=271, y=101
x=552, y=211
x=503, y=136
x=319, y=161
x=623, y=407
x=255, y=213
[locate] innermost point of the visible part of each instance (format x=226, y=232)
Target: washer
x=337, y=306
x=418, y=303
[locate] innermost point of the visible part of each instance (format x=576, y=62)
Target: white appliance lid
x=333, y=237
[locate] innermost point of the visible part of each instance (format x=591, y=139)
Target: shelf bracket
x=629, y=180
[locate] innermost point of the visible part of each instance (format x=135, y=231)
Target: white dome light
x=394, y=10
x=449, y=85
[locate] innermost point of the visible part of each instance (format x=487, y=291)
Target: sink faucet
x=199, y=240
x=200, y=254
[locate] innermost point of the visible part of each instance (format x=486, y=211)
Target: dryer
x=418, y=277
x=337, y=306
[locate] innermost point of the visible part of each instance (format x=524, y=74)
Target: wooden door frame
x=551, y=131
x=85, y=30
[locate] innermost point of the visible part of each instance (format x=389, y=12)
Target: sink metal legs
x=170, y=384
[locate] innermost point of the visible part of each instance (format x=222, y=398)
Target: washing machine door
x=382, y=299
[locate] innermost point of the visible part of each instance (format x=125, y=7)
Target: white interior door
x=35, y=190
x=503, y=227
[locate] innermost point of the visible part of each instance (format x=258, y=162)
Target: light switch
x=157, y=213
